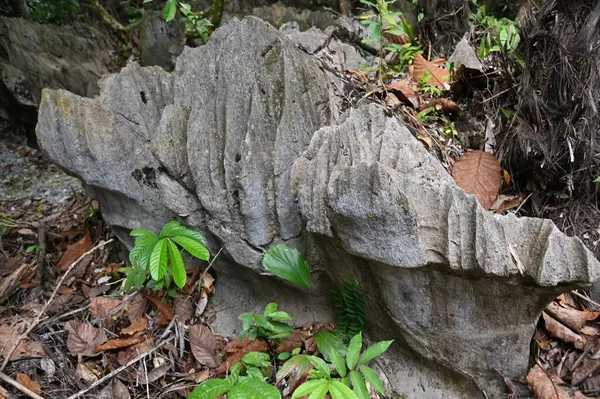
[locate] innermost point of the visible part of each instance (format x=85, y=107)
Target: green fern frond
x=349, y=306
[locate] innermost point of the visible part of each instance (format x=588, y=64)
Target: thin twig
x=586, y=298
x=131, y=362
x=37, y=319
x=210, y=264
x=116, y=371
x=19, y=386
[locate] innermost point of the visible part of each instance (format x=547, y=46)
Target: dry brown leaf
x=586, y=369
x=293, y=341
x=208, y=282
x=203, y=343
x=101, y=305
x=558, y=330
x=115, y=390
x=505, y=203
x=202, y=304
x=398, y=39
x=74, y=251
x=83, y=338
x=25, y=349
x=479, y=173
x=137, y=326
x=183, y=307
x=18, y=276
x=136, y=308
x=237, y=350
x=440, y=77
x=573, y=318
x=159, y=370
x=86, y=373
x=163, y=308
x=445, y=105
x=198, y=377
x=27, y=382
x=118, y=343
x=124, y=356
x=404, y=91
x=542, y=385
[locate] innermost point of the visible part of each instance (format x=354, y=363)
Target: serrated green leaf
x=372, y=377
x=158, y=260
x=358, y=383
x=195, y=248
x=353, y=352
x=340, y=391
x=210, y=389
x=279, y=316
x=170, y=10
x=327, y=342
x=288, y=264
x=253, y=388
x=310, y=386
x=177, y=265
x=339, y=362
x=270, y=308
x=374, y=350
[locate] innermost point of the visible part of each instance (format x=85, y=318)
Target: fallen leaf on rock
x=25, y=349
x=560, y=331
x=203, y=343
x=115, y=390
x=86, y=373
x=74, y=251
x=440, y=77
x=137, y=326
x=83, y=338
x=117, y=343
x=479, y=173
x=27, y=382
x=573, y=318
x=162, y=307
x=237, y=350
x=543, y=386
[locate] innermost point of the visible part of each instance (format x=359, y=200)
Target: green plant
x=350, y=366
x=32, y=249
x=450, y=130
x=497, y=35
x=160, y=256
x=405, y=53
x=91, y=216
x=56, y=12
x=426, y=88
x=349, y=306
x=287, y=263
x=249, y=386
x=6, y=223
x=196, y=22
x=268, y=326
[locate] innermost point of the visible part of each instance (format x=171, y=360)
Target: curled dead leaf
x=74, y=251
x=421, y=68
x=543, y=386
x=403, y=89
x=137, y=326
x=572, y=318
x=479, y=173
x=560, y=331
x=27, y=382
x=83, y=338
x=163, y=308
x=203, y=343
x=398, y=39
x=117, y=344
x=86, y=373
x=445, y=105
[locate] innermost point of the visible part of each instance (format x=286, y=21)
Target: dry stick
x=210, y=264
x=41, y=313
x=586, y=298
x=131, y=362
x=19, y=386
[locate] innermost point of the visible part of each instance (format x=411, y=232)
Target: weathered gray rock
x=34, y=56
x=160, y=42
x=239, y=143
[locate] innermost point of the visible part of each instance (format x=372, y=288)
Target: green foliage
x=350, y=366
x=196, y=23
x=56, y=12
x=349, y=306
x=91, y=216
x=287, y=263
x=450, y=130
x=497, y=35
x=405, y=53
x=426, y=88
x=268, y=326
x=160, y=256
x=250, y=385
x=6, y=223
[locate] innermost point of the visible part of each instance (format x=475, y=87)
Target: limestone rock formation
x=34, y=56
x=243, y=141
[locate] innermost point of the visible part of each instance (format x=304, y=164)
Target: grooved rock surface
x=241, y=143
x=34, y=56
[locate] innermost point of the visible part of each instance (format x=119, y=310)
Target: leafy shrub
x=497, y=35
x=268, y=326
x=160, y=256
x=57, y=12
